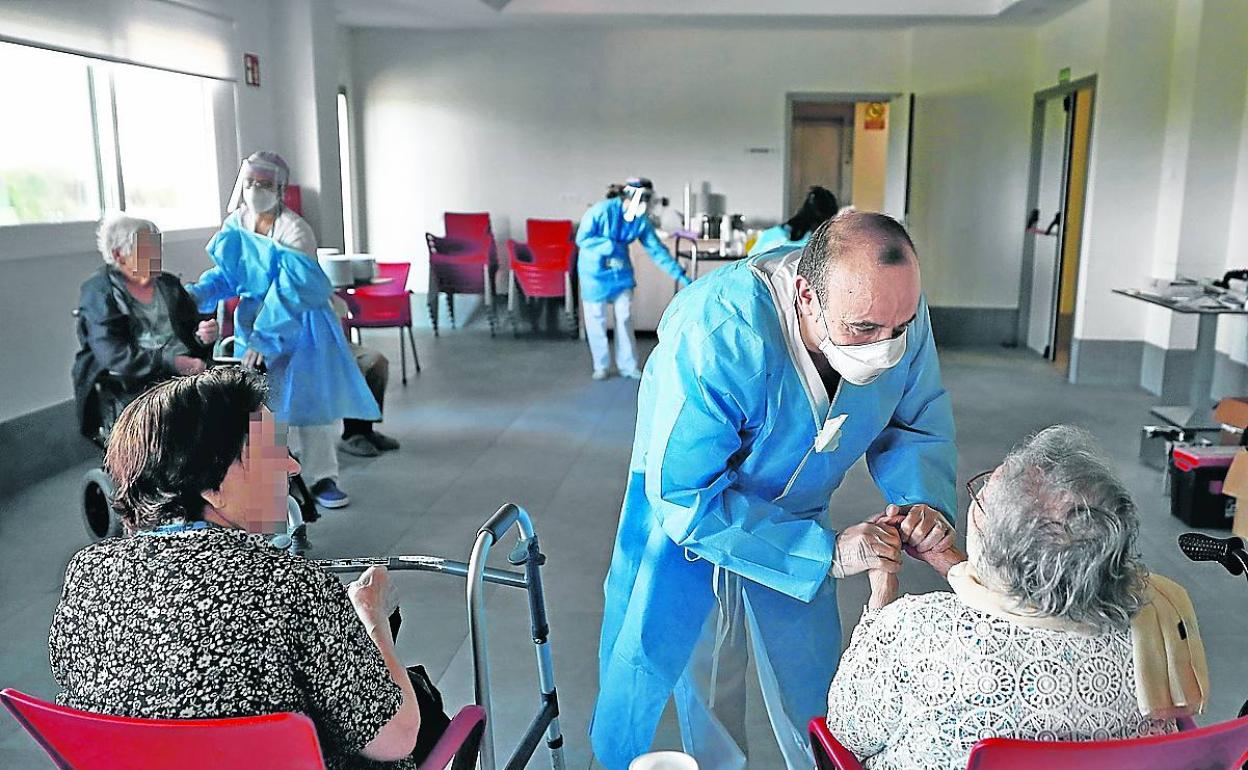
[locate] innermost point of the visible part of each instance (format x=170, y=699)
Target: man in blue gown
x=772, y=377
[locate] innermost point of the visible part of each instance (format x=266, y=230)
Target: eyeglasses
x=975, y=487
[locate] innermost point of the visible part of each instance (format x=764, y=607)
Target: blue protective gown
x=775, y=237
x=723, y=469
x=285, y=314
x=603, y=265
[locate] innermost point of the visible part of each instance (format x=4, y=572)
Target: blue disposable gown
x=775, y=237
x=603, y=265
x=723, y=469
x=285, y=314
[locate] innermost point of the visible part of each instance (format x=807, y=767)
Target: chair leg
x=411, y=341
x=402, y=357
x=450, y=307
x=433, y=313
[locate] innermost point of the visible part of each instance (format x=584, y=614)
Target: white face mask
x=259, y=199
x=861, y=364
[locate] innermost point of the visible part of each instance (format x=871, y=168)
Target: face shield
x=260, y=184
x=636, y=201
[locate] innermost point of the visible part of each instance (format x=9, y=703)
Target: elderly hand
x=372, y=595
x=866, y=546
x=923, y=528
x=253, y=359
x=186, y=365
x=883, y=588
x=208, y=331
x=940, y=557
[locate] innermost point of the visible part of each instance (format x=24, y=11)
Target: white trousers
x=596, y=331
x=710, y=694
x=316, y=448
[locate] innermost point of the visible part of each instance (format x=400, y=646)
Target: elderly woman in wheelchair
x=136, y=326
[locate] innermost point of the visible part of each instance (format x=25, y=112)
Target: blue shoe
x=328, y=495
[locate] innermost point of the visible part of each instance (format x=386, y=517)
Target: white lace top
x=927, y=676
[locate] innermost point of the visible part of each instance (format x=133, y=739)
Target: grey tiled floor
x=496, y=420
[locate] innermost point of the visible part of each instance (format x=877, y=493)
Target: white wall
x=968, y=173
x=41, y=267
x=536, y=123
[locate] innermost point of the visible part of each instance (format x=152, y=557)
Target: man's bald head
x=855, y=234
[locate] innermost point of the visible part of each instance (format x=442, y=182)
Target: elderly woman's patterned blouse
x=926, y=677
x=216, y=623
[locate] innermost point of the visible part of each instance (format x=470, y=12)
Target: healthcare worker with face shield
x=606, y=271
x=266, y=254
x=772, y=377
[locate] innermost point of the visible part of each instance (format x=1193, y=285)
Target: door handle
x=1057, y=220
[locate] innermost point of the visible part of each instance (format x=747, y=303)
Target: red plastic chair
x=543, y=272
x=829, y=753
x=385, y=306
x=1222, y=746
x=464, y=262
x=549, y=231
x=81, y=740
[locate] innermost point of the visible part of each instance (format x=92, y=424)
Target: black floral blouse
x=216, y=623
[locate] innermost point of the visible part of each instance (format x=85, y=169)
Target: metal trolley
x=527, y=554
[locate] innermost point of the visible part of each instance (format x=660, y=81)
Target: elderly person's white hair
x=1059, y=532
x=117, y=231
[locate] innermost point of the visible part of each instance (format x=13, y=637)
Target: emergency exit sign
x=1063, y=75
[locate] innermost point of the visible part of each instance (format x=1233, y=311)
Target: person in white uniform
x=261, y=185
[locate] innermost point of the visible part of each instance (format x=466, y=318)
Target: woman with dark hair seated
x=820, y=206
x=194, y=615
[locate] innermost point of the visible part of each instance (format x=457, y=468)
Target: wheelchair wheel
x=97, y=505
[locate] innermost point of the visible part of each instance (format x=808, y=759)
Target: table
x=1197, y=413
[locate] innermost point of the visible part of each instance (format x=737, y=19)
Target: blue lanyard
x=176, y=527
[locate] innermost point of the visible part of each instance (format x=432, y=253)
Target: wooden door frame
x=840, y=97
x=1027, y=266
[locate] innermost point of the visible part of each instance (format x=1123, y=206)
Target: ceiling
x=445, y=14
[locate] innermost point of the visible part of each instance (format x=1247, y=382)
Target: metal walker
x=528, y=554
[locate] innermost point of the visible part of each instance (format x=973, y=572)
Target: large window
x=81, y=135
x=48, y=168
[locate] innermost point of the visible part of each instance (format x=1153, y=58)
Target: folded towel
x=1171, y=673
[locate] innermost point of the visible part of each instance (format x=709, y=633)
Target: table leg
x=1202, y=367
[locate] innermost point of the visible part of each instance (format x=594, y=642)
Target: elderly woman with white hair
x=1054, y=629
x=136, y=325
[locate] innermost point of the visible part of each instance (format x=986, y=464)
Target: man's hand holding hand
x=867, y=546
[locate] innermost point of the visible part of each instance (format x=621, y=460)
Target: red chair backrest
x=469, y=227
x=544, y=231
x=383, y=305
x=829, y=753
x=80, y=740
x=536, y=277
x=293, y=198
x=1222, y=746
x=227, y=328
x=397, y=272
x=1217, y=747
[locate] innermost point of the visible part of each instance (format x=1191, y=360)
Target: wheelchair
x=97, y=488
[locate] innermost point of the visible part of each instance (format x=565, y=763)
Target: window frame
x=29, y=240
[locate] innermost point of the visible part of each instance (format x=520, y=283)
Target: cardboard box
x=1236, y=486
x=1232, y=413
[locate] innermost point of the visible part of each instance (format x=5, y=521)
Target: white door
x=1047, y=238
x=896, y=178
